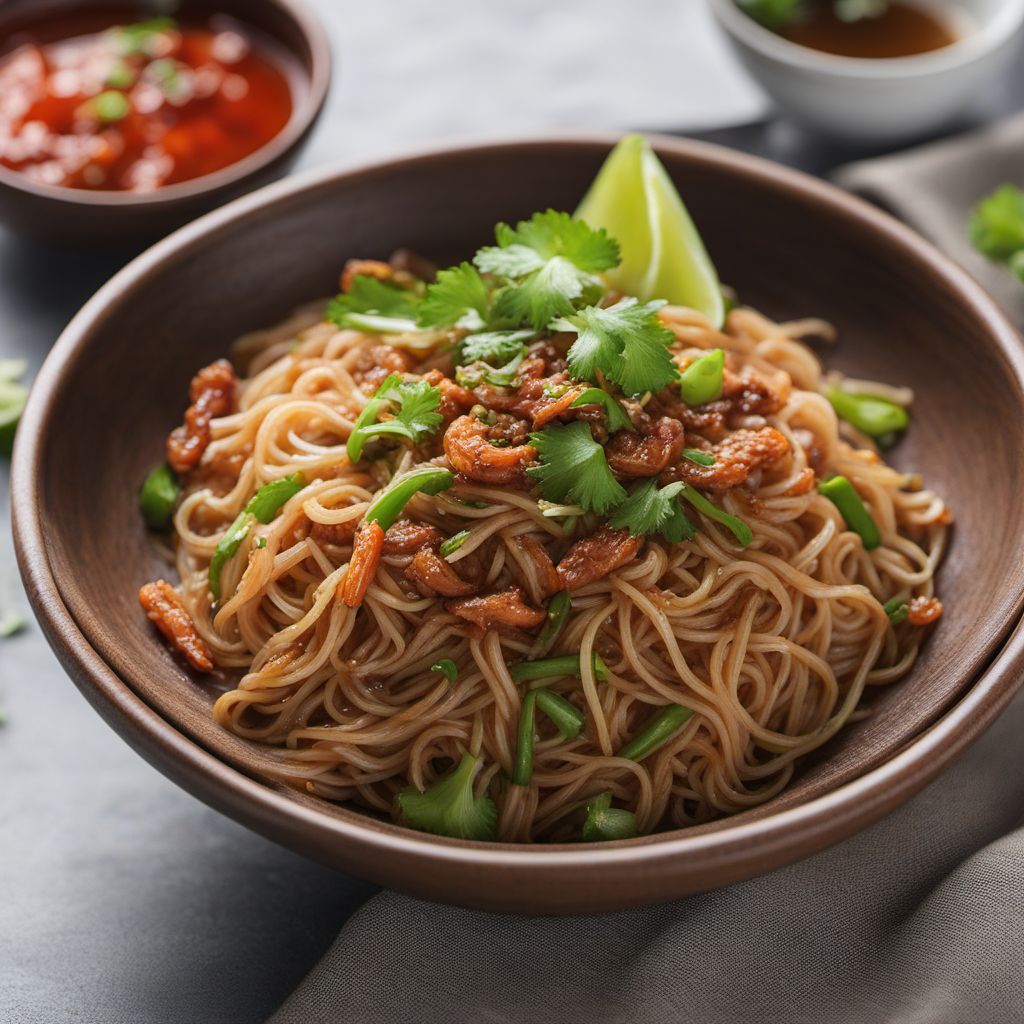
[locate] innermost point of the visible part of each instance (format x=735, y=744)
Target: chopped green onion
x=553, y=668
x=658, y=731
x=523, y=769
x=558, y=612
x=158, y=497
x=897, y=609
x=109, y=106
x=121, y=75
x=453, y=543
x=262, y=507
x=137, y=39
x=447, y=668
x=702, y=381
x=618, y=418
x=701, y=458
x=389, y=506
x=605, y=822
x=841, y=493
x=736, y=526
x=568, y=718
x=874, y=416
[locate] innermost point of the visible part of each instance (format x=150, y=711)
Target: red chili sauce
x=138, y=107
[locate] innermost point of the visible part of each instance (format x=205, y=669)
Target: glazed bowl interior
x=116, y=383
x=286, y=30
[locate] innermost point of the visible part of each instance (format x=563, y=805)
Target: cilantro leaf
x=458, y=292
x=626, y=342
x=374, y=305
x=551, y=260
x=653, y=509
x=997, y=226
x=574, y=468
x=617, y=417
x=414, y=406
x=448, y=807
x=554, y=233
x=496, y=348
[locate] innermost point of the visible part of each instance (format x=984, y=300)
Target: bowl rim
x=388, y=853
x=974, y=46
x=303, y=116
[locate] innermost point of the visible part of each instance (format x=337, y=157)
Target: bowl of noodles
x=496, y=526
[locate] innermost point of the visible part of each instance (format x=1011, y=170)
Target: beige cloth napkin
x=918, y=920
x=936, y=187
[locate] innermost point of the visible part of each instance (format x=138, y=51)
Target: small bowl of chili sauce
x=893, y=71
x=121, y=121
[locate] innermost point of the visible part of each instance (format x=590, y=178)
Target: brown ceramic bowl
x=56, y=213
x=793, y=246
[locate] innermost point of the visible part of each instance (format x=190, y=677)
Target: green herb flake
x=447, y=668
x=616, y=417
x=413, y=405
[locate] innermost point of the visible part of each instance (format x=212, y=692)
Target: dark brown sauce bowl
x=116, y=380
x=58, y=213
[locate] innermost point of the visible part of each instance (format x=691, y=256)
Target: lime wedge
x=663, y=257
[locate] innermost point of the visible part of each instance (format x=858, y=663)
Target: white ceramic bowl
x=880, y=101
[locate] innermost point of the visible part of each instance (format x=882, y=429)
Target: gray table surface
x=124, y=899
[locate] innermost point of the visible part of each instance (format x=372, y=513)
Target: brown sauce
x=902, y=31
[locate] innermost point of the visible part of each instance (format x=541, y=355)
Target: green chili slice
x=658, y=731
x=389, y=506
x=897, y=609
x=558, y=613
x=605, y=822
x=262, y=507
x=701, y=458
x=453, y=543
x=553, y=668
x=523, y=770
x=736, y=526
x=568, y=718
x=841, y=493
x=158, y=497
x=702, y=381
x=447, y=668
x=870, y=414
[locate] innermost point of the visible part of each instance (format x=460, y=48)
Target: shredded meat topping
x=406, y=537
x=506, y=610
x=468, y=445
x=736, y=457
x=365, y=268
x=340, y=534
x=647, y=452
x=164, y=607
x=455, y=399
x=433, y=575
x=212, y=394
x=541, y=579
x=924, y=611
x=596, y=556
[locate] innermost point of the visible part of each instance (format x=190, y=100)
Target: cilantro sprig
x=625, y=343
x=549, y=265
x=573, y=468
x=459, y=295
x=653, y=509
x=414, y=416
x=375, y=306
